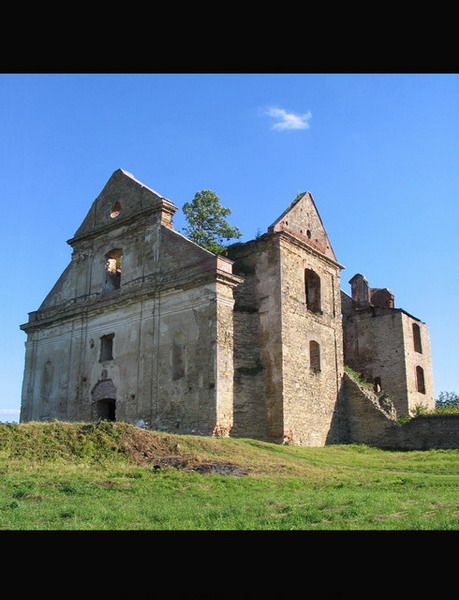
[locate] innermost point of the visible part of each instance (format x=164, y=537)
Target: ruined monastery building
x=147, y=327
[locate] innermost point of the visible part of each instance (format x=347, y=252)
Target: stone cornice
x=147, y=287
x=117, y=224
x=245, y=249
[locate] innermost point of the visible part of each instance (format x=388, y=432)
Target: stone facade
x=288, y=337
x=147, y=327
x=388, y=346
x=154, y=347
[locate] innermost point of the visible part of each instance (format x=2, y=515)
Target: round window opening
x=115, y=210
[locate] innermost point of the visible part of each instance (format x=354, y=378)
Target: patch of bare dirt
x=163, y=452
x=222, y=468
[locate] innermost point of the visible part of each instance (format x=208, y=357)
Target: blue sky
x=378, y=152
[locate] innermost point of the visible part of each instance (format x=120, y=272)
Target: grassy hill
x=114, y=476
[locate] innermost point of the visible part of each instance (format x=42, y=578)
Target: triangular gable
x=122, y=197
x=302, y=220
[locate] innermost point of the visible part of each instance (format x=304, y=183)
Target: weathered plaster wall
x=171, y=322
x=223, y=349
x=150, y=337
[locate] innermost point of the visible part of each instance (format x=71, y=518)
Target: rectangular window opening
x=106, y=347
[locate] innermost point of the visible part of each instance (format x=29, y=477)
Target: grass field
x=113, y=476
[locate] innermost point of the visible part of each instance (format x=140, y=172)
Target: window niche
x=113, y=268
x=314, y=356
x=178, y=355
x=312, y=291
x=47, y=381
x=106, y=347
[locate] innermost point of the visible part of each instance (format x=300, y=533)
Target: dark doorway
x=106, y=409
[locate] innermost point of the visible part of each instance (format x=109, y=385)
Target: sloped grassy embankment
x=100, y=476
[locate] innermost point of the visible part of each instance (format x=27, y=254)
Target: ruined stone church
x=147, y=327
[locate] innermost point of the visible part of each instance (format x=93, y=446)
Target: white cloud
x=287, y=120
x=9, y=415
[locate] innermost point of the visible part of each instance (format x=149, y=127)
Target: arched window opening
x=314, y=356
x=116, y=209
x=420, y=383
x=417, y=338
x=178, y=355
x=312, y=290
x=113, y=267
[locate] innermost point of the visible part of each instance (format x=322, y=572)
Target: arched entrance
x=104, y=401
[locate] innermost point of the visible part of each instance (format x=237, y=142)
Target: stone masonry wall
x=427, y=432
x=418, y=357
x=374, y=347
x=310, y=395
x=365, y=419
x=378, y=343
x=258, y=410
